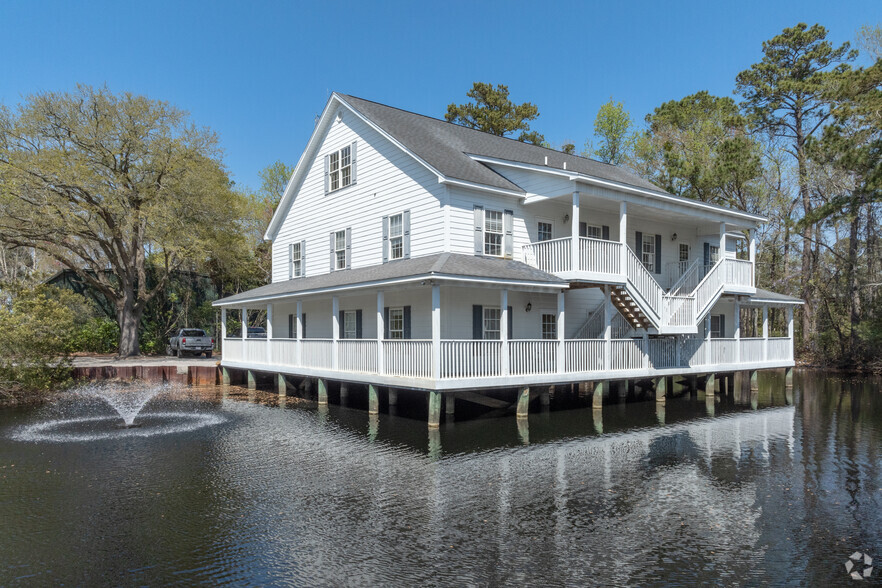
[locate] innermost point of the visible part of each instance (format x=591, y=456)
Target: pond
x=238, y=489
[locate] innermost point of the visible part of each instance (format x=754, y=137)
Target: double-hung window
x=396, y=236
x=545, y=231
x=549, y=326
x=296, y=260
x=648, y=253
x=493, y=232
x=340, y=168
x=396, y=323
x=684, y=252
x=492, y=323
x=716, y=326
x=350, y=329
x=340, y=250
x=714, y=251
x=593, y=232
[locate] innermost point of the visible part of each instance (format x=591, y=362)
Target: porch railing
x=552, y=256
x=468, y=359
x=600, y=256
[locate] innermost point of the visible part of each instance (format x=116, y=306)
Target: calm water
x=266, y=495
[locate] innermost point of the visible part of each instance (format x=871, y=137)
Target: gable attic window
x=340, y=168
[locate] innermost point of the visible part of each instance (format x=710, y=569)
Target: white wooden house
x=410, y=252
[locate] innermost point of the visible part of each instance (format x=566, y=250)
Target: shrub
x=37, y=327
x=97, y=335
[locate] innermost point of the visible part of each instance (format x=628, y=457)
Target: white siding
x=388, y=181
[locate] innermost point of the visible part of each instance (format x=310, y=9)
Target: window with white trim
x=544, y=231
x=493, y=232
x=594, y=232
x=715, y=325
x=684, y=252
x=648, y=253
x=396, y=323
x=296, y=267
x=340, y=168
x=340, y=250
x=396, y=236
x=350, y=329
x=549, y=325
x=714, y=253
x=492, y=323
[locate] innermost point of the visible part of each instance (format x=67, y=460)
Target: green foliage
x=97, y=335
x=493, y=112
x=37, y=328
x=613, y=128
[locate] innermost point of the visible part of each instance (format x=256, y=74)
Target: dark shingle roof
x=441, y=264
x=445, y=146
x=768, y=295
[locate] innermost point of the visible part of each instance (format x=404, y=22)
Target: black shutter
x=706, y=254
x=386, y=322
x=303, y=258
x=658, y=268
x=333, y=254
x=583, y=229
x=340, y=330
x=477, y=322
x=405, y=231
x=407, y=322
x=348, y=248
x=479, y=229
x=605, y=232
x=358, y=324
x=385, y=239
x=510, y=322
x=290, y=326
x=639, y=250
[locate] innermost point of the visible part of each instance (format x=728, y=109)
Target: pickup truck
x=190, y=341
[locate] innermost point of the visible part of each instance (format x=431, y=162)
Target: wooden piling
x=373, y=400
x=449, y=404
x=661, y=389
x=322, y=391
x=788, y=377
x=600, y=388
x=523, y=402
x=281, y=384
x=434, y=409
x=252, y=381
x=754, y=382
x=225, y=376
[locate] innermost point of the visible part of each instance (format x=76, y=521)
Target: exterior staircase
x=628, y=308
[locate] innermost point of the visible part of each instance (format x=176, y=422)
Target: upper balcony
x=694, y=287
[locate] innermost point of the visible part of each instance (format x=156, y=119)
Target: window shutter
x=639, y=249
x=290, y=326
x=510, y=322
x=477, y=322
x=508, y=234
x=479, y=230
x=327, y=174
x=303, y=258
x=341, y=332
x=333, y=255
x=353, y=160
x=605, y=232
x=583, y=229
x=358, y=324
x=290, y=260
x=407, y=322
x=706, y=254
x=385, y=239
x=386, y=322
x=658, y=245
x=348, y=248
x=405, y=221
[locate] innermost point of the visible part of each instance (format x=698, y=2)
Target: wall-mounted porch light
x=529, y=307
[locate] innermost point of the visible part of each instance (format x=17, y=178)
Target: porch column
x=335, y=330
x=623, y=235
x=503, y=330
x=223, y=332
x=765, y=332
x=790, y=328
x=722, y=240
x=607, y=327
x=752, y=249
x=737, y=325
x=561, y=327
x=707, y=339
x=436, y=331
x=244, y=317
x=645, y=350
x=574, y=222
x=269, y=332
x=298, y=333
x=381, y=327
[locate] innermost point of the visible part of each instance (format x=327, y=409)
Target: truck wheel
x=208, y=354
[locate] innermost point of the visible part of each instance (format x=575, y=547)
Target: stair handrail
x=644, y=284
x=707, y=289
x=690, y=274
x=620, y=325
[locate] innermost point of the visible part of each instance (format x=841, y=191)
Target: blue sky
x=259, y=72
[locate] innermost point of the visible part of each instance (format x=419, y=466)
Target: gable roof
x=446, y=147
x=453, y=266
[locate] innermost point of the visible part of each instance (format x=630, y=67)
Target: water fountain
x=128, y=400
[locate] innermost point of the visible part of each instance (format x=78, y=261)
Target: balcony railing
x=489, y=360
